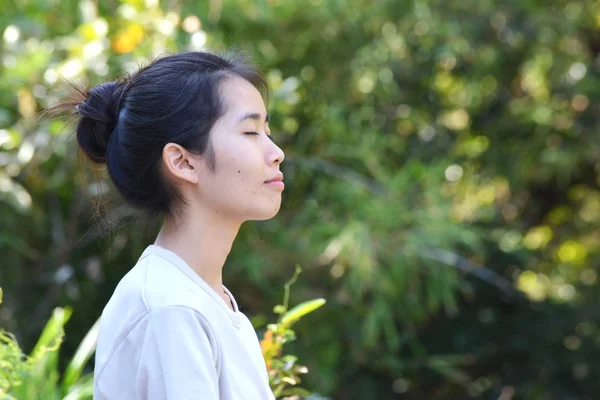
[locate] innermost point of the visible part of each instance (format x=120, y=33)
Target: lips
x=276, y=182
x=276, y=178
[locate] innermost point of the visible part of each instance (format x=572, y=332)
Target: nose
x=275, y=154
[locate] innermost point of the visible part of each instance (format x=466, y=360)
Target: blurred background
x=443, y=184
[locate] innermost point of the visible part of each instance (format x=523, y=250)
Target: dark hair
x=126, y=123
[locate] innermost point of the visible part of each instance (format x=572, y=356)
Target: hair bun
x=99, y=117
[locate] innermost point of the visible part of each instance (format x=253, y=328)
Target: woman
x=186, y=137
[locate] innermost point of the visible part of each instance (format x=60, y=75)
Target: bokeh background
x=443, y=184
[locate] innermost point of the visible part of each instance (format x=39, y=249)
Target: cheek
x=244, y=167
x=240, y=178
x=240, y=170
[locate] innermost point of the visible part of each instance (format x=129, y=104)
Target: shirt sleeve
x=178, y=359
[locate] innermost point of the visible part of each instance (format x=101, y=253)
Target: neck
x=203, y=239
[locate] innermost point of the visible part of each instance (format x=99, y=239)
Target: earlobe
x=178, y=163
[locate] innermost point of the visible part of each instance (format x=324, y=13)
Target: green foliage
x=36, y=376
x=284, y=373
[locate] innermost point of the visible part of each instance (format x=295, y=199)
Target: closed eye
x=256, y=134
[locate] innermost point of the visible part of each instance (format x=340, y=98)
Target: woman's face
x=246, y=158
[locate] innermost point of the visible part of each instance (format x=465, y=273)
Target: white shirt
x=166, y=335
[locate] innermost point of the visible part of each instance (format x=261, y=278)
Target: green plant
x=36, y=376
x=284, y=373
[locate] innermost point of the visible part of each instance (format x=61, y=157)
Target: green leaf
x=82, y=355
x=82, y=390
x=301, y=310
x=44, y=356
x=52, y=330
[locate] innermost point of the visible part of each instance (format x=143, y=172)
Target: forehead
x=240, y=96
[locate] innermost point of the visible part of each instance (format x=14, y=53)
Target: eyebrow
x=255, y=116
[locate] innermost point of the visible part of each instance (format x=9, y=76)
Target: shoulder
x=177, y=319
x=166, y=286
x=155, y=283
x=155, y=289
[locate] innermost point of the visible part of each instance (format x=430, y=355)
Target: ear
x=180, y=163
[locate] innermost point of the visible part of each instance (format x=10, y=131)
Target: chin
x=263, y=215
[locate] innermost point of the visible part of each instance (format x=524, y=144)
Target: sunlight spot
x=11, y=34
x=400, y=386
x=456, y=120
x=25, y=152
x=427, y=133
x=191, y=24
x=565, y=292
x=71, y=68
x=538, y=237
x=366, y=83
x=4, y=136
x=577, y=71
x=571, y=251
x=166, y=27
x=454, y=173
x=198, y=39
x=51, y=76
x=572, y=342
x=530, y=283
